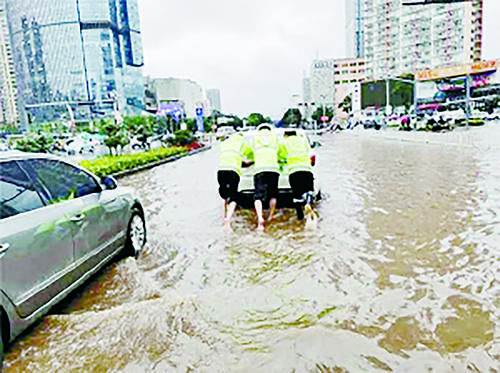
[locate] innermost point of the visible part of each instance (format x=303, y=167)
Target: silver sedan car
x=59, y=224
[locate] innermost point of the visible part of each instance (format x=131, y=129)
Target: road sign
x=199, y=111
x=325, y=118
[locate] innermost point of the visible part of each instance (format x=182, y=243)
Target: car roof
x=16, y=154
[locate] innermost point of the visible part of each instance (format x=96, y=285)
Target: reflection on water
x=401, y=275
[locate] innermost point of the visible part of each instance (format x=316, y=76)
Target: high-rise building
x=321, y=82
x=401, y=38
x=187, y=92
x=83, y=54
x=355, y=37
x=8, y=90
x=213, y=97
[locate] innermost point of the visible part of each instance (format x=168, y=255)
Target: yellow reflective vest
x=232, y=151
x=267, y=151
x=297, y=153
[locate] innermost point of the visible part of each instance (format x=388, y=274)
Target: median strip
x=122, y=165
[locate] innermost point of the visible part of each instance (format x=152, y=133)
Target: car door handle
x=3, y=248
x=77, y=218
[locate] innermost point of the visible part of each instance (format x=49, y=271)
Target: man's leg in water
x=272, y=207
x=272, y=187
x=258, y=211
x=229, y=213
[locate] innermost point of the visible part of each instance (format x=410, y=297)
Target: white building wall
x=186, y=91
x=348, y=74
x=213, y=96
x=321, y=82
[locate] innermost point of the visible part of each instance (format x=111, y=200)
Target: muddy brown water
x=401, y=274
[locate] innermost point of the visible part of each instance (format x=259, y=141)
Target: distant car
x=394, y=120
x=223, y=132
x=4, y=147
x=454, y=116
x=371, y=119
x=79, y=146
x=495, y=115
x=59, y=224
x=478, y=114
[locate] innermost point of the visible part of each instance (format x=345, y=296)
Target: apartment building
x=401, y=38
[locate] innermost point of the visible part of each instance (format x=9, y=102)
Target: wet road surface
x=401, y=274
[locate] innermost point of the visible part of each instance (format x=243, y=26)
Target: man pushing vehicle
x=300, y=177
x=267, y=152
x=232, y=152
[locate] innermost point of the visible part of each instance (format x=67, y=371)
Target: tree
x=191, y=125
x=35, y=142
x=115, y=136
x=322, y=111
x=346, y=104
x=234, y=121
x=292, y=116
x=255, y=119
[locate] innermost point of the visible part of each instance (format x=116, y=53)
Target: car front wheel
x=136, y=234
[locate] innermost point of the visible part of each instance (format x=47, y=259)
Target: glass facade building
x=80, y=54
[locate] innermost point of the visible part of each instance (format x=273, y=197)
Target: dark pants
x=228, y=185
x=266, y=186
x=301, y=182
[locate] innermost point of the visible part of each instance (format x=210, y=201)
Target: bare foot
x=260, y=226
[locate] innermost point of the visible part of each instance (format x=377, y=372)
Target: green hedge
x=108, y=164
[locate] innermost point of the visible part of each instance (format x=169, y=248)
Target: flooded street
x=401, y=274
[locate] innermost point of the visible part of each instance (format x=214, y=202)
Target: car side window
x=62, y=180
x=17, y=193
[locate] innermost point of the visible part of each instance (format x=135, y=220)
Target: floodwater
x=402, y=273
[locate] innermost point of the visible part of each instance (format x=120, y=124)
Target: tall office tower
x=213, y=97
x=322, y=83
x=87, y=53
x=405, y=38
x=355, y=35
x=8, y=91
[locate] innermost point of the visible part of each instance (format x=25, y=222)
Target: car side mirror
x=109, y=182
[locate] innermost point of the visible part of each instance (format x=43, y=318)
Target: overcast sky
x=256, y=52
